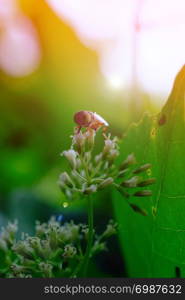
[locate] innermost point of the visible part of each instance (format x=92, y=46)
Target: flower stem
x=90, y=236
x=81, y=268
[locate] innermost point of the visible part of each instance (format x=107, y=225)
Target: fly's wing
x=99, y=119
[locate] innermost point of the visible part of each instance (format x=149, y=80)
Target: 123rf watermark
x=134, y=289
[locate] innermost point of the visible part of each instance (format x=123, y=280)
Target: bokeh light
x=20, y=52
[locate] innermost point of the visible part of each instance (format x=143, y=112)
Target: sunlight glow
x=115, y=82
x=135, y=39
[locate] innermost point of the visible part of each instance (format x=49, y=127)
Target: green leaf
x=154, y=245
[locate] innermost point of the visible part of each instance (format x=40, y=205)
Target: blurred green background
x=36, y=121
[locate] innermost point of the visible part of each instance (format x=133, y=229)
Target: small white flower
x=113, y=154
x=98, y=158
x=69, y=251
x=64, y=178
x=130, y=160
x=109, y=145
x=79, y=141
x=68, y=194
x=132, y=182
x=90, y=136
x=71, y=156
x=105, y=183
x=3, y=245
x=110, y=230
x=91, y=189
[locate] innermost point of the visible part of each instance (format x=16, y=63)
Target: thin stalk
x=117, y=187
x=90, y=236
x=85, y=166
x=81, y=268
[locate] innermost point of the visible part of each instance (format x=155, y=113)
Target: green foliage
x=154, y=245
x=55, y=250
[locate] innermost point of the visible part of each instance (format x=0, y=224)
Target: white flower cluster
x=53, y=251
x=90, y=173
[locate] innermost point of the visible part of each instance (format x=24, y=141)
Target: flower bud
x=77, y=178
x=90, y=136
x=40, y=229
x=108, y=181
x=12, y=228
x=47, y=251
x=130, y=160
x=8, y=233
x=146, y=182
x=106, y=165
x=71, y=156
x=110, y=230
x=142, y=168
x=113, y=154
x=91, y=189
x=144, y=193
x=131, y=183
x=109, y=145
x=122, y=173
x=82, y=173
x=87, y=156
x=98, y=158
x=35, y=244
x=78, y=163
x=66, y=190
x=154, y=211
x=74, y=231
x=62, y=186
x=17, y=268
x=3, y=245
x=79, y=141
x=69, y=251
x=85, y=231
x=24, y=249
x=52, y=237
x=68, y=194
x=46, y=268
x=138, y=209
x=98, y=247
x=64, y=178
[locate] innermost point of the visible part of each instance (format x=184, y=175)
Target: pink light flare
x=20, y=53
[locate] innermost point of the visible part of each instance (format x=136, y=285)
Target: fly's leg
x=104, y=130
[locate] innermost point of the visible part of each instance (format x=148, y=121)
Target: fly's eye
x=82, y=118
